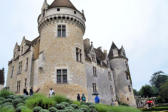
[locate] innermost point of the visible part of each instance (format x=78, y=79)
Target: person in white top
x=51, y=92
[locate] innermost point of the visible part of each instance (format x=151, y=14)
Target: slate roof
x=62, y=3
x=2, y=80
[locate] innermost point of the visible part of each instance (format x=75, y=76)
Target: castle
x=61, y=59
x=2, y=81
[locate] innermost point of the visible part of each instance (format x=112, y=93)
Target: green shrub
x=52, y=109
x=6, y=104
x=75, y=106
x=17, y=101
x=39, y=100
x=37, y=109
x=44, y=110
x=23, y=109
x=76, y=102
x=69, y=109
x=5, y=93
x=11, y=96
x=78, y=110
x=7, y=100
x=65, y=104
x=8, y=108
x=2, y=98
x=61, y=110
x=60, y=106
x=20, y=104
x=59, y=99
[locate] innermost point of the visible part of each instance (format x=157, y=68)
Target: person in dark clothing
x=83, y=98
x=25, y=92
x=97, y=99
x=78, y=97
x=31, y=91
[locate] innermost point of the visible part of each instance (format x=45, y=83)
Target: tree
x=164, y=91
x=158, y=78
x=136, y=93
x=146, y=91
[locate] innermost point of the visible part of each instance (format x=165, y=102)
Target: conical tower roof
x=62, y=3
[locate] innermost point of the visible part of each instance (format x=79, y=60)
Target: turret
x=61, y=52
x=119, y=65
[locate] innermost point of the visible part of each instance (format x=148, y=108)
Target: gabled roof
x=62, y=3
x=2, y=77
x=113, y=46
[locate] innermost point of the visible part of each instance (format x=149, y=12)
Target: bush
x=44, y=110
x=8, y=108
x=75, y=106
x=59, y=99
x=52, y=109
x=39, y=100
x=5, y=93
x=17, y=101
x=65, y=104
x=20, y=104
x=37, y=109
x=60, y=106
x=69, y=109
x=23, y=109
x=76, y=102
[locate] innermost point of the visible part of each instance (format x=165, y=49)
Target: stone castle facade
x=2, y=79
x=61, y=59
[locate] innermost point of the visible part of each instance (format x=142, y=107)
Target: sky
x=139, y=25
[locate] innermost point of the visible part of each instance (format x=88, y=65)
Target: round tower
x=61, y=61
x=122, y=77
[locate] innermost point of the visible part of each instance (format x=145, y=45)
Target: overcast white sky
x=139, y=25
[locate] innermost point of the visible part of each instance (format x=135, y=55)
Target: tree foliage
x=164, y=91
x=147, y=91
x=158, y=78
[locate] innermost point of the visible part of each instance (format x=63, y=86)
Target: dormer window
x=61, y=31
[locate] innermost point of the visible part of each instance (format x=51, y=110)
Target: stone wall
x=60, y=53
x=1, y=87
x=103, y=83
x=120, y=68
x=25, y=74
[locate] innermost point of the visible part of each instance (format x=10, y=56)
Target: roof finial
x=45, y=5
x=91, y=43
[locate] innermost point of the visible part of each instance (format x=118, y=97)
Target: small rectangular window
x=25, y=82
x=94, y=87
x=27, y=62
x=20, y=67
x=129, y=88
x=61, y=31
x=62, y=76
x=94, y=72
x=12, y=71
x=78, y=55
x=18, y=86
x=59, y=76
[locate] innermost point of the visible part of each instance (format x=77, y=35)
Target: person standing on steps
x=97, y=99
x=51, y=92
x=25, y=92
x=83, y=98
x=78, y=97
x=31, y=91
